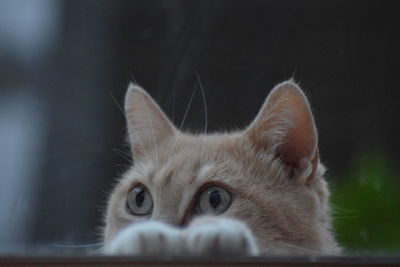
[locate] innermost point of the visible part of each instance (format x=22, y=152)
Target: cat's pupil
x=215, y=199
x=140, y=198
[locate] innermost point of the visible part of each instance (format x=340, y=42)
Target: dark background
x=62, y=64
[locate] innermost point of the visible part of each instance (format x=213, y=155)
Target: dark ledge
x=257, y=261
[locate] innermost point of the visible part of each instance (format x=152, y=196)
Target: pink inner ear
x=299, y=144
x=298, y=152
x=300, y=141
x=286, y=119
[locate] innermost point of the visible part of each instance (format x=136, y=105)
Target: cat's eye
x=139, y=201
x=214, y=200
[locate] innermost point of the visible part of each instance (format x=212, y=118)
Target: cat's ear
x=285, y=127
x=147, y=124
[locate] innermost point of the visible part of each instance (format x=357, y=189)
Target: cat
x=259, y=191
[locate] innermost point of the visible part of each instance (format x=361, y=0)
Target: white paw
x=212, y=236
x=146, y=239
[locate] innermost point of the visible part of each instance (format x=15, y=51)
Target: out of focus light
x=21, y=140
x=27, y=27
x=28, y=30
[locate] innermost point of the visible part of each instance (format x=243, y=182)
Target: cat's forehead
x=203, y=145
x=192, y=159
x=176, y=171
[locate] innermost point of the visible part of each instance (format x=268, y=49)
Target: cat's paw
x=215, y=236
x=146, y=239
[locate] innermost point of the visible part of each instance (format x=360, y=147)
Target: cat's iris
x=139, y=201
x=214, y=200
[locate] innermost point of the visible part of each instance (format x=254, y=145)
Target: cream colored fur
x=279, y=196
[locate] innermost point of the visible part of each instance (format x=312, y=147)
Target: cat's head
x=267, y=175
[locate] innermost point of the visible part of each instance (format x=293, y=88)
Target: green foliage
x=366, y=206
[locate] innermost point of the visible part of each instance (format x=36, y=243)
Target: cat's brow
x=205, y=112
x=201, y=172
x=151, y=175
x=195, y=173
x=168, y=178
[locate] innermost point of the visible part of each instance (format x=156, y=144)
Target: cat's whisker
x=171, y=145
x=173, y=109
x=343, y=214
x=123, y=155
x=294, y=73
x=140, y=143
x=126, y=119
x=307, y=250
x=339, y=210
x=122, y=165
x=133, y=80
x=187, y=108
x=94, y=245
x=303, y=249
x=205, y=113
x=155, y=147
x=288, y=245
x=117, y=104
x=123, y=152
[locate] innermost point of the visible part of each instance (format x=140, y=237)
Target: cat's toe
x=146, y=239
x=213, y=236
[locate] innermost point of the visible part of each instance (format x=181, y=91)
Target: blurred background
x=65, y=66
